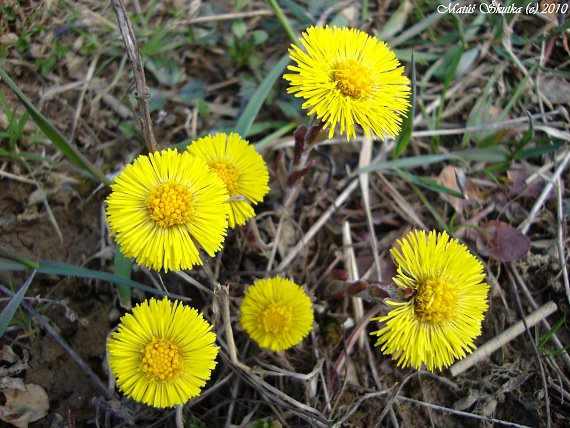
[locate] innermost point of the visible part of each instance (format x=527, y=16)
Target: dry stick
x=560, y=236
x=524, y=226
x=364, y=178
x=133, y=52
x=79, y=107
x=460, y=413
x=352, y=268
x=223, y=292
x=557, y=344
x=506, y=336
x=341, y=199
x=534, y=348
x=61, y=342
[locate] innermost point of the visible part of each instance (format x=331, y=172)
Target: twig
x=364, y=178
x=352, y=268
x=179, y=417
x=560, y=236
x=341, y=199
x=61, y=342
x=557, y=344
x=223, y=17
x=524, y=226
x=535, y=349
x=460, y=413
x=498, y=341
x=133, y=52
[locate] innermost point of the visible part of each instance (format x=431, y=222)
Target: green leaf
x=54, y=135
x=12, y=306
x=254, y=105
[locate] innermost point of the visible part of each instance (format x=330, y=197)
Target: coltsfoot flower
x=349, y=78
x=163, y=353
x=438, y=324
x=276, y=313
x=240, y=167
x=166, y=205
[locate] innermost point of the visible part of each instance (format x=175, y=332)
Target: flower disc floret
x=240, y=167
x=349, y=78
x=439, y=323
x=163, y=353
x=170, y=204
x=162, y=360
x=276, y=313
x=164, y=207
x=353, y=79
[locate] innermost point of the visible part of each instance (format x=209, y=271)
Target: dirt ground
x=68, y=58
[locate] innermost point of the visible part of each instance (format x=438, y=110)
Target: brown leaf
x=455, y=179
x=502, y=242
x=25, y=403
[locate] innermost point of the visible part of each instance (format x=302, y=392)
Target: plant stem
x=134, y=55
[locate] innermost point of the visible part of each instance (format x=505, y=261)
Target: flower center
x=162, y=360
x=353, y=79
x=170, y=204
x=228, y=173
x=435, y=300
x=276, y=318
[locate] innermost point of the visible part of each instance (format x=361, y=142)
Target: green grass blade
x=551, y=332
x=254, y=105
x=12, y=261
x=416, y=29
x=123, y=269
x=403, y=138
x=428, y=184
x=537, y=151
x=65, y=269
x=491, y=155
x=53, y=134
x=12, y=306
x=283, y=20
x=9, y=259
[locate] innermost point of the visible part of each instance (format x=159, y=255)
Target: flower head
x=163, y=206
x=438, y=324
x=348, y=77
x=276, y=313
x=240, y=167
x=162, y=354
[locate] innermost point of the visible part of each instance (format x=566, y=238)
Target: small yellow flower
x=164, y=206
x=162, y=354
x=240, y=167
x=443, y=317
x=276, y=313
x=348, y=77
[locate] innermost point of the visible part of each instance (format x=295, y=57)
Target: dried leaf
x=502, y=242
x=455, y=179
x=24, y=403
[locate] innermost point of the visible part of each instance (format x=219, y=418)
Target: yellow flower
x=276, y=313
x=162, y=354
x=438, y=324
x=348, y=77
x=163, y=206
x=240, y=167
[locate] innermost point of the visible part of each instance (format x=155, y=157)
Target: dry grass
x=479, y=79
